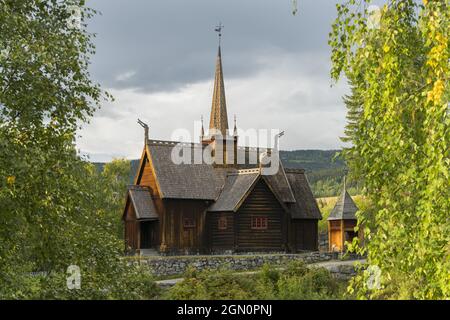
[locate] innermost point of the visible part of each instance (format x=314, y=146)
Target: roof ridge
x=244, y=171
x=168, y=143
x=157, y=142
x=249, y=148
x=137, y=187
x=292, y=170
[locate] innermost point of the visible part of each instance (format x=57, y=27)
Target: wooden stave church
x=223, y=207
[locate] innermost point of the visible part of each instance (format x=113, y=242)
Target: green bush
x=128, y=283
x=210, y=285
x=298, y=282
x=295, y=282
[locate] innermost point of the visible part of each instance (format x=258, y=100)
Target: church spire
x=202, y=132
x=219, y=118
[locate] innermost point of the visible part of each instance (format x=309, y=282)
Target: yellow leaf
x=11, y=180
x=435, y=95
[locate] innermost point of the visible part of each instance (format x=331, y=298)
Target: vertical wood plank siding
x=131, y=229
x=334, y=235
x=306, y=236
x=147, y=178
x=221, y=239
x=181, y=239
x=260, y=203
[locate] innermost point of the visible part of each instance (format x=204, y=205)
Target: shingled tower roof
x=219, y=117
x=345, y=208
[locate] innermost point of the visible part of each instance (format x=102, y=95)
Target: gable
x=236, y=189
x=262, y=199
x=128, y=213
x=240, y=184
x=146, y=176
x=140, y=204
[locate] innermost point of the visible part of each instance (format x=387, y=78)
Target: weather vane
x=219, y=30
x=294, y=7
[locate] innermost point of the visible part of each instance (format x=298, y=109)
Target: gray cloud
x=168, y=43
x=276, y=97
x=157, y=58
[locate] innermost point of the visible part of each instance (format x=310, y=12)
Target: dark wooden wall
x=350, y=224
x=261, y=203
x=304, y=235
x=131, y=229
x=221, y=239
x=149, y=233
x=178, y=238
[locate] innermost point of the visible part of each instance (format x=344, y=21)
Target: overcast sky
x=157, y=58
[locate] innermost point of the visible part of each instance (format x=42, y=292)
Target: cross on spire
x=218, y=29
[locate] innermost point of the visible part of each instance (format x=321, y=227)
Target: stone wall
x=170, y=265
x=323, y=241
x=343, y=272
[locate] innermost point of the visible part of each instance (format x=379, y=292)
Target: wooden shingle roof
x=226, y=187
x=237, y=185
x=184, y=181
x=305, y=206
x=141, y=199
x=345, y=208
x=280, y=185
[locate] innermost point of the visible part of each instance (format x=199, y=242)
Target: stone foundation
x=170, y=265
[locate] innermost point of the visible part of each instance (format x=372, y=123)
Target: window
x=222, y=223
x=188, y=223
x=259, y=223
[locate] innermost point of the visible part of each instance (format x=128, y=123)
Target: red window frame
x=260, y=223
x=188, y=223
x=222, y=223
